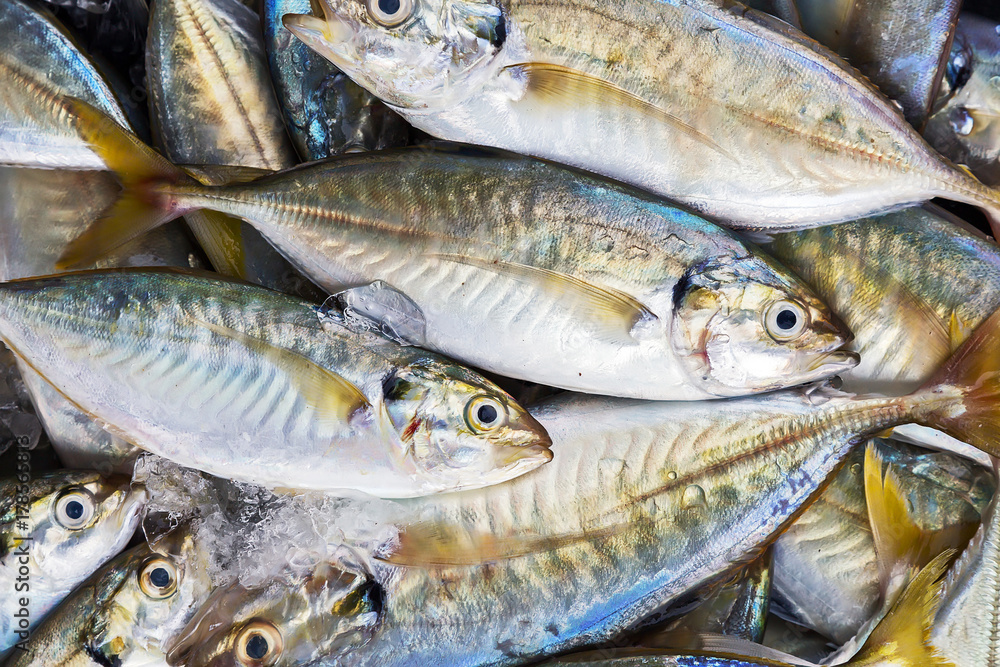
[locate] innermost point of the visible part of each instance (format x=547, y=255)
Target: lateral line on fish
x=203, y=33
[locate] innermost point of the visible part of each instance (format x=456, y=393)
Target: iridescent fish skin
x=289, y=620
x=901, y=45
x=724, y=109
x=664, y=496
x=965, y=126
x=249, y=384
x=325, y=112
x=910, y=285
x=120, y=616
x=212, y=103
x=38, y=65
x=75, y=521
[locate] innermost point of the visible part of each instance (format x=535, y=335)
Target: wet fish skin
x=54, y=551
x=40, y=65
x=901, y=45
x=965, y=125
x=910, y=285
x=211, y=374
x=794, y=140
x=570, y=280
x=667, y=496
x=114, y=619
x=301, y=620
x=326, y=113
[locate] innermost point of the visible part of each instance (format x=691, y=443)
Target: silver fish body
x=249, y=384
x=57, y=529
x=325, y=112
x=728, y=111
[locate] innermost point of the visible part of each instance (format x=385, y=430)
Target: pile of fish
x=499, y=332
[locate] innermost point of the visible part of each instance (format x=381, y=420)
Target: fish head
x=413, y=54
x=744, y=326
x=462, y=430
x=79, y=518
x=290, y=620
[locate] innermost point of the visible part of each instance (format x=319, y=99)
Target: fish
x=212, y=103
x=726, y=110
x=568, y=280
x=325, y=113
x=40, y=67
x=786, y=10
x=127, y=612
x=900, y=642
x=249, y=384
x=827, y=573
x=966, y=627
x=902, y=46
x=643, y=502
x=965, y=126
x=289, y=620
x=56, y=529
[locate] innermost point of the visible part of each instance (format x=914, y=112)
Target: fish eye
x=389, y=13
x=959, y=68
x=158, y=578
x=485, y=414
x=785, y=320
x=258, y=644
x=74, y=509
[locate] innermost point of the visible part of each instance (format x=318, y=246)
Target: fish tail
x=963, y=398
x=145, y=175
x=966, y=188
x=903, y=636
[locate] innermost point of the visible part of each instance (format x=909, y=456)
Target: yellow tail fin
x=903, y=636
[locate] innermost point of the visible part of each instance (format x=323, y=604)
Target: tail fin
x=903, y=636
x=974, y=373
x=965, y=187
x=140, y=169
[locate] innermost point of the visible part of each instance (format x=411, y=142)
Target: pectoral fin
x=614, y=314
x=383, y=309
x=332, y=397
x=561, y=85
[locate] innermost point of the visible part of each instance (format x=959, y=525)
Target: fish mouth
x=528, y=458
x=831, y=363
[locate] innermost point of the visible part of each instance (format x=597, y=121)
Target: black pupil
x=786, y=319
x=74, y=509
x=487, y=414
x=160, y=577
x=388, y=7
x=256, y=647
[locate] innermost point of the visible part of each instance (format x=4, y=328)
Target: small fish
x=965, y=126
x=56, y=530
x=724, y=109
x=325, y=112
x=288, y=621
x=212, y=103
x=901, y=45
x=644, y=502
x=568, y=280
x=126, y=613
x=250, y=384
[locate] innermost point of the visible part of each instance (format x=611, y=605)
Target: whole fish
x=965, y=126
x=249, y=384
x=899, y=641
x=127, y=613
x=40, y=66
x=827, y=572
x=326, y=113
x=724, y=109
x=290, y=620
x=212, y=103
x=56, y=530
x=901, y=45
x=567, y=280
x=643, y=502
x=967, y=628
x=910, y=285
